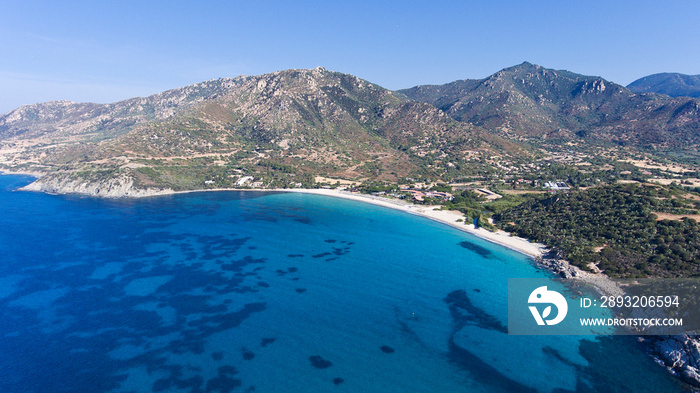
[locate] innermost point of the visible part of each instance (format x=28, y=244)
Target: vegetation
x=614, y=228
x=506, y=202
x=377, y=187
x=467, y=202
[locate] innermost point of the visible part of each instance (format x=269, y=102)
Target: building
x=243, y=181
x=556, y=186
x=420, y=195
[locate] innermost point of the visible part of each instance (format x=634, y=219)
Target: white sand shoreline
x=448, y=217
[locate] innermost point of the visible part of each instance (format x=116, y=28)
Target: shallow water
x=265, y=292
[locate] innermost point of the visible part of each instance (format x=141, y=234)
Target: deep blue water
x=242, y=292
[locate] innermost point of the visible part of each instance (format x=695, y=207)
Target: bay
x=273, y=292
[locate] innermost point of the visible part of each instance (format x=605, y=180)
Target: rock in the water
x=387, y=349
x=681, y=354
x=691, y=375
x=319, y=362
x=267, y=341
x=248, y=355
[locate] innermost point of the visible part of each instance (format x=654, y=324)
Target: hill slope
x=672, y=84
x=615, y=228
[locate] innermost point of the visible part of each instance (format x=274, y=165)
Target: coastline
x=123, y=187
x=538, y=252
x=541, y=255
x=449, y=217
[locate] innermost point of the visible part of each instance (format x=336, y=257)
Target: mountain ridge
x=54, y=115
x=529, y=101
x=670, y=83
x=289, y=126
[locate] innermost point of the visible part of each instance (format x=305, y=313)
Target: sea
x=273, y=292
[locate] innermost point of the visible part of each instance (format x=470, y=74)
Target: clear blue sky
x=104, y=51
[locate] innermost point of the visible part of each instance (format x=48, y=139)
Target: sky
x=106, y=51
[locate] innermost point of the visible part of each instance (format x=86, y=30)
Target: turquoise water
x=264, y=292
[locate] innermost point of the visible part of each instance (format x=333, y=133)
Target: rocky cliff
x=115, y=187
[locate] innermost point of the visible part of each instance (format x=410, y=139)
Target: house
x=556, y=186
x=420, y=195
x=242, y=181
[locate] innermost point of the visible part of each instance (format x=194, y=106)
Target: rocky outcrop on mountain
x=312, y=120
x=290, y=125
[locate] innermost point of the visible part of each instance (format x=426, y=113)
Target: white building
x=242, y=181
x=556, y=185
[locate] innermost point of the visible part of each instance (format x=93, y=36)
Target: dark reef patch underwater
x=272, y=292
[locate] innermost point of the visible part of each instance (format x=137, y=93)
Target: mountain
x=292, y=126
x=65, y=119
x=530, y=102
x=283, y=127
x=672, y=84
